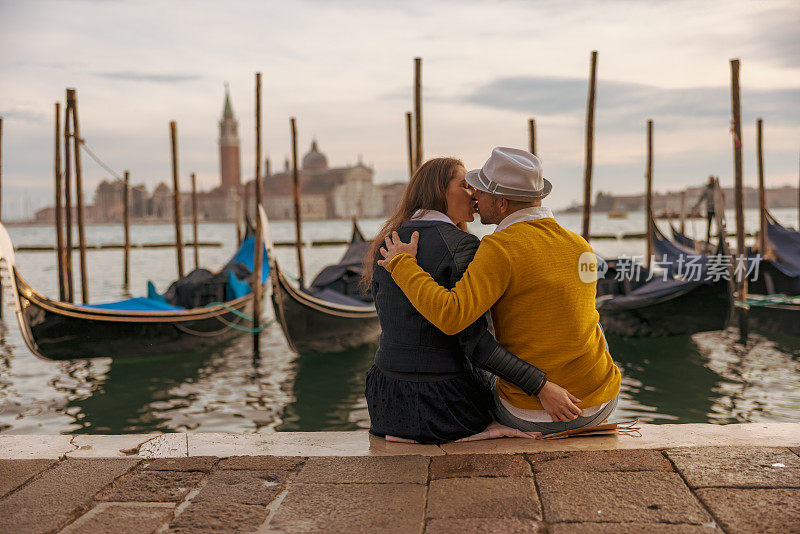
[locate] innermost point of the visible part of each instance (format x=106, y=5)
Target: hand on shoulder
x=395, y=246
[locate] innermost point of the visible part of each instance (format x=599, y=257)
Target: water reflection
x=326, y=389
x=709, y=377
x=133, y=395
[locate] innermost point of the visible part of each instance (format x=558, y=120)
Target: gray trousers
x=504, y=417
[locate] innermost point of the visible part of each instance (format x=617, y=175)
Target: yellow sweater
x=542, y=312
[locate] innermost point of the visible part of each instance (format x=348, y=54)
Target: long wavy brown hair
x=425, y=191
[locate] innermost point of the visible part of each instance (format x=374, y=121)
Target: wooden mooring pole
x=1, y=204
x=762, y=195
x=587, y=174
x=76, y=146
x=59, y=207
x=410, y=144
x=736, y=113
x=683, y=212
x=298, y=217
x=176, y=197
x=195, y=237
x=238, y=222
x=258, y=258
x=126, y=231
x=649, y=195
x=68, y=202
x=532, y=135
x=417, y=112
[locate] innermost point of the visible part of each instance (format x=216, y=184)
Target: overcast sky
x=344, y=69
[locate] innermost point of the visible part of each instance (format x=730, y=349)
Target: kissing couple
x=498, y=333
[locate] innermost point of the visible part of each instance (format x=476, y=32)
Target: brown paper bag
x=625, y=428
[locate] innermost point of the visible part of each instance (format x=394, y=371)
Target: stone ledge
x=360, y=443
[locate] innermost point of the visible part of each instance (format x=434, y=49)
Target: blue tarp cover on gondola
x=235, y=288
x=785, y=243
x=652, y=292
x=141, y=304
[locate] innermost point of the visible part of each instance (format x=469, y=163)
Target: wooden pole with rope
x=736, y=114
x=649, y=195
x=258, y=258
x=176, y=197
x=762, y=195
x=126, y=229
x=298, y=217
x=587, y=174
x=532, y=135
x=195, y=232
x=418, y=112
x=76, y=139
x=68, y=202
x=59, y=206
x=410, y=144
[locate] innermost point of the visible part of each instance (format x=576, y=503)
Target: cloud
x=623, y=105
x=136, y=76
x=776, y=36
x=24, y=115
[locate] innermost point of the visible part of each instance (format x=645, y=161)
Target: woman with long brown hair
x=424, y=385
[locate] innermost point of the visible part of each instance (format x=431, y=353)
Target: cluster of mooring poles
x=70, y=140
x=739, y=275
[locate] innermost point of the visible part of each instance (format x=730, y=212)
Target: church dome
x=314, y=160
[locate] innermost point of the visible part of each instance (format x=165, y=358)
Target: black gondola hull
x=776, y=318
x=703, y=308
x=60, y=331
x=314, y=325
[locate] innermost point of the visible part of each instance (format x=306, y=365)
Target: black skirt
x=428, y=408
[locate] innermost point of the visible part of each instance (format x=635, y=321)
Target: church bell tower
x=229, y=152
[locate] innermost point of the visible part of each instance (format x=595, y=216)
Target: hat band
x=499, y=189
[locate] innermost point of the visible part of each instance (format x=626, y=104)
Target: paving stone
x=483, y=525
x=754, y=510
x=194, y=463
x=53, y=499
x=14, y=473
x=243, y=487
x=270, y=463
x=483, y=497
x=644, y=496
x=630, y=528
x=351, y=508
x=480, y=465
x=795, y=450
x=114, y=517
x=152, y=486
x=598, y=461
x=365, y=469
x=747, y=467
x=219, y=517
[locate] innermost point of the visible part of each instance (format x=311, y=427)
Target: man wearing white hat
x=528, y=273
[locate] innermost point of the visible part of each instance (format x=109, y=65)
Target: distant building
x=229, y=150
x=325, y=193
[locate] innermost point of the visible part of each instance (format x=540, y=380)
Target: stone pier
x=675, y=478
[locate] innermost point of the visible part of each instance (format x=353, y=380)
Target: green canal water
x=708, y=377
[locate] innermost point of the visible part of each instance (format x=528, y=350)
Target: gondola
x=778, y=274
x=661, y=307
x=772, y=303
x=135, y=327
x=331, y=315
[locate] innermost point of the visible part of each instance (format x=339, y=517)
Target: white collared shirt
x=431, y=215
x=533, y=213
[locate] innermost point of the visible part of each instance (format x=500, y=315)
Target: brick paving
x=680, y=490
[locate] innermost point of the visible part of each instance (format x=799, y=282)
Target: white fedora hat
x=511, y=173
